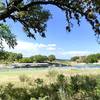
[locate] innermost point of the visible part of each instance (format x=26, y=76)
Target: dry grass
x=13, y=75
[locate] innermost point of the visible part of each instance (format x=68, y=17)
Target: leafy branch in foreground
x=7, y=36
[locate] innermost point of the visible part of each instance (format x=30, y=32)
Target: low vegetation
x=61, y=88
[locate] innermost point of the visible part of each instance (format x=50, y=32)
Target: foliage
x=18, y=57
x=25, y=60
x=36, y=58
x=33, y=17
x=93, y=58
x=6, y=36
x=14, y=56
x=73, y=88
x=3, y=55
x=74, y=58
x=9, y=56
x=51, y=58
x=39, y=58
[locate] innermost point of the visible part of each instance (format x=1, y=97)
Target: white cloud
x=51, y=45
x=29, y=48
x=51, y=48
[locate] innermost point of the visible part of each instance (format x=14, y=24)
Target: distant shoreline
x=40, y=65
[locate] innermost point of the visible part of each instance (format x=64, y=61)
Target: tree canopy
x=6, y=57
x=51, y=58
x=33, y=16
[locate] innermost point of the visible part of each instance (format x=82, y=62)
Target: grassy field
x=12, y=75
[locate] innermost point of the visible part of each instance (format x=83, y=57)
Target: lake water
x=82, y=67
x=47, y=68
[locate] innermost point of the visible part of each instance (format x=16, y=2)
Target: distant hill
x=62, y=60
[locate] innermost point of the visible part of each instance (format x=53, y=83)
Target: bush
x=40, y=58
x=91, y=59
x=26, y=60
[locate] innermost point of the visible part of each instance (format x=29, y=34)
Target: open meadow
x=12, y=75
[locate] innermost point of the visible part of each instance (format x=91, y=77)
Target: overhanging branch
x=13, y=7
x=10, y=9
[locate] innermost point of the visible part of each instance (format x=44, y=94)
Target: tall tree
x=33, y=16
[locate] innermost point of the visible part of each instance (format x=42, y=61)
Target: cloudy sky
x=80, y=41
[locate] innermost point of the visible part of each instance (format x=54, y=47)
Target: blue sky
x=80, y=41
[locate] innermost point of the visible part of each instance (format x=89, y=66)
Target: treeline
x=38, y=59
x=6, y=57
x=93, y=58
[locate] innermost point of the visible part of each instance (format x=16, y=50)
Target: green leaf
x=7, y=36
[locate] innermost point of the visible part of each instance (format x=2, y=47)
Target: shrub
x=26, y=60
x=84, y=87
x=40, y=58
